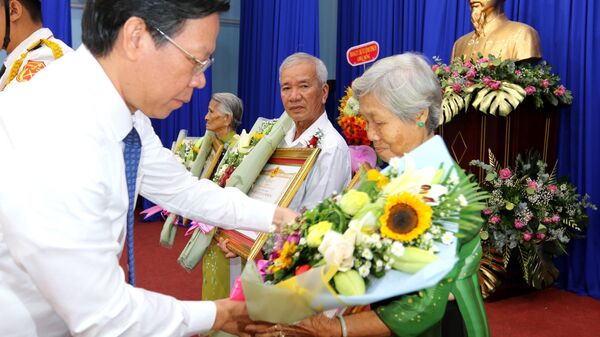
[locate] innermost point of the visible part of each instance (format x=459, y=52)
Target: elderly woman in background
x=400, y=99
x=224, y=115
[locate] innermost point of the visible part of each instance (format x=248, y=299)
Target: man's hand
x=283, y=216
x=232, y=317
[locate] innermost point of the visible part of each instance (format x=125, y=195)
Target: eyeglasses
x=201, y=66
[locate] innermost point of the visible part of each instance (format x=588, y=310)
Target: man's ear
x=325, y=93
x=134, y=38
x=15, y=10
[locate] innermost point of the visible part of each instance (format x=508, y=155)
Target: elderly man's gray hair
x=405, y=85
x=299, y=58
x=231, y=105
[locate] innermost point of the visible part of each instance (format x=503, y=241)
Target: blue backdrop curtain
x=569, y=31
x=57, y=16
x=270, y=30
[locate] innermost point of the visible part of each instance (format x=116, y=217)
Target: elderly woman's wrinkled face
x=391, y=136
x=215, y=120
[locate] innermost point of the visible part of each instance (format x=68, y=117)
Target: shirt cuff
x=201, y=316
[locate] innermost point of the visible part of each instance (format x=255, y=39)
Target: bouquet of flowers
x=530, y=212
x=245, y=144
x=495, y=86
x=352, y=124
x=187, y=151
x=395, y=234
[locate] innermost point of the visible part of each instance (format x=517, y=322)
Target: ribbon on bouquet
x=199, y=225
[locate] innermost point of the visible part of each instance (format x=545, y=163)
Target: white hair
x=230, y=105
x=405, y=85
x=299, y=58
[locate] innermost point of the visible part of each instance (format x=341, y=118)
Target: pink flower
x=539, y=236
x=468, y=64
x=456, y=87
x=468, y=83
x=530, y=90
x=555, y=218
x=518, y=72
x=483, y=60
x=560, y=91
x=527, y=236
x=447, y=69
x=544, y=83
x=495, y=219
x=486, y=80
x=546, y=220
x=505, y=173
x=487, y=211
x=471, y=73
x=552, y=188
x=455, y=74
x=519, y=224
x=495, y=85
x=435, y=67
x=532, y=184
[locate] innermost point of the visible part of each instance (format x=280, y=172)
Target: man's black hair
x=103, y=19
x=34, y=7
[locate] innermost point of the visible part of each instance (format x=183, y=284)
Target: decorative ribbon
x=202, y=226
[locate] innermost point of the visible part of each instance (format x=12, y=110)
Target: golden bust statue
x=495, y=34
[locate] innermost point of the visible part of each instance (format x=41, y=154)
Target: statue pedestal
x=469, y=136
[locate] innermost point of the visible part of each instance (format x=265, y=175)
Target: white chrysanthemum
x=302, y=242
x=447, y=238
x=397, y=248
x=379, y=265
x=367, y=254
x=364, y=270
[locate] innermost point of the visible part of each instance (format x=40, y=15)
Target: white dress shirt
x=331, y=172
x=63, y=207
x=41, y=54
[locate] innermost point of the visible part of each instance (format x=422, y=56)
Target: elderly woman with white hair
x=400, y=99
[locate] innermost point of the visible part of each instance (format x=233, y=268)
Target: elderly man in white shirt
x=30, y=47
x=64, y=190
x=304, y=89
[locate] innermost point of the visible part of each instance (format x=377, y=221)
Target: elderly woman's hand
x=223, y=245
x=317, y=325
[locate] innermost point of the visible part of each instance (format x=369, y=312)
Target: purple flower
x=487, y=211
x=505, y=173
x=518, y=72
x=519, y=224
x=530, y=90
x=527, y=236
x=555, y=218
x=552, y=188
x=456, y=87
x=495, y=219
x=294, y=238
x=544, y=83
x=540, y=236
x=560, y=91
x=532, y=184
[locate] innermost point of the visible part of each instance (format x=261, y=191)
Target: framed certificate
x=214, y=155
x=277, y=183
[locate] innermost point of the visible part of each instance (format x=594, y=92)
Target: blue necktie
x=131, y=154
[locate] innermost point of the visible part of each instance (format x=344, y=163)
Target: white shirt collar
x=320, y=123
x=42, y=33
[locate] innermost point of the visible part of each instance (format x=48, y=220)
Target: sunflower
x=405, y=217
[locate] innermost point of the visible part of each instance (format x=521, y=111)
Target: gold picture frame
x=277, y=183
x=213, y=158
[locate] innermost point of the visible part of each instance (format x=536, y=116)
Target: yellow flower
x=405, y=217
x=259, y=136
x=353, y=200
x=316, y=233
x=284, y=260
x=374, y=175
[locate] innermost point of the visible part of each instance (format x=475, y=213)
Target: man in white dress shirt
x=30, y=47
x=64, y=196
x=304, y=89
